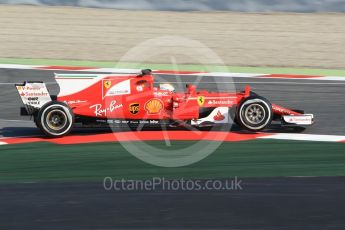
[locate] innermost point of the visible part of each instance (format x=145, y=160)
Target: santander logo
x=219, y=116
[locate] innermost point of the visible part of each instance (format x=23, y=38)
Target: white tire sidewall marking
x=251, y=101
x=67, y=113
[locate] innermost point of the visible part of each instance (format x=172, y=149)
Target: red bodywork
x=135, y=97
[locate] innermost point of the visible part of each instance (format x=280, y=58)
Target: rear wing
x=34, y=95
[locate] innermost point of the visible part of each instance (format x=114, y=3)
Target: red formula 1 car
x=133, y=100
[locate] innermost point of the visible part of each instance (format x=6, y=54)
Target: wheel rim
x=255, y=114
x=56, y=120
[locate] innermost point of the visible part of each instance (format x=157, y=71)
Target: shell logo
x=154, y=106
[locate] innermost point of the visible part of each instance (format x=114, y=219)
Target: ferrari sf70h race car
x=133, y=99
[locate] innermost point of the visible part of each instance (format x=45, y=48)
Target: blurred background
x=297, y=33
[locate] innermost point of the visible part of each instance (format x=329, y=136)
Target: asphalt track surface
x=267, y=203
x=325, y=99
x=276, y=203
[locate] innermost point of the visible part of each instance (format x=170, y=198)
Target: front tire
x=55, y=119
x=254, y=113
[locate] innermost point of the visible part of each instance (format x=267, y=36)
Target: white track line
x=267, y=76
x=133, y=71
x=331, y=78
x=8, y=83
x=113, y=70
x=293, y=83
x=305, y=137
x=15, y=66
x=275, y=136
x=219, y=74
x=5, y=120
x=47, y=83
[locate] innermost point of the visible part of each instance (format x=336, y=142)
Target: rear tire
x=55, y=119
x=254, y=113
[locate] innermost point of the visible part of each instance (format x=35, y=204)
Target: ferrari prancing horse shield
x=201, y=100
x=107, y=84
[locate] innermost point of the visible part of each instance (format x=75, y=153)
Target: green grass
x=92, y=162
x=214, y=68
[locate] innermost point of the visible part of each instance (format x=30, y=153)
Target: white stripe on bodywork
x=72, y=85
x=305, y=137
x=224, y=111
x=120, y=88
x=3, y=143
